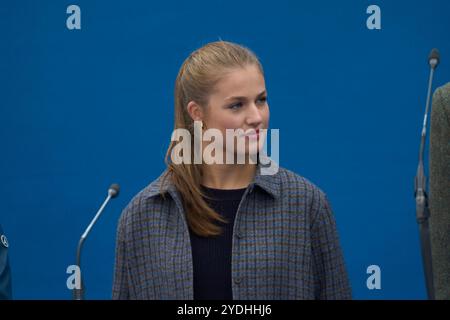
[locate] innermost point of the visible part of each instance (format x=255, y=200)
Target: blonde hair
x=196, y=80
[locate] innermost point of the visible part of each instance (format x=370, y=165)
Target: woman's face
x=239, y=101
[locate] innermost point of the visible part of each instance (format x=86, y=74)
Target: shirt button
x=237, y=280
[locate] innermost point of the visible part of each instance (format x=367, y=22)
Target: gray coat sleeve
x=440, y=190
x=120, y=284
x=330, y=275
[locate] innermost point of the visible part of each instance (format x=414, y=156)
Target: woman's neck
x=227, y=176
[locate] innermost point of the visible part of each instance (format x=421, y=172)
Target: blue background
x=81, y=109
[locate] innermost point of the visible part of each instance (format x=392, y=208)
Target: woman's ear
x=195, y=111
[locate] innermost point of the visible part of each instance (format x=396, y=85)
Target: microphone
x=422, y=210
x=440, y=190
x=433, y=58
x=113, y=192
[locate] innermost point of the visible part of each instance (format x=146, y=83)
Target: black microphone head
x=113, y=190
x=433, y=58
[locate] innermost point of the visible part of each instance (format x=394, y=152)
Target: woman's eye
x=239, y=105
x=235, y=106
x=262, y=100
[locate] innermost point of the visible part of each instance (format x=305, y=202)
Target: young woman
x=227, y=231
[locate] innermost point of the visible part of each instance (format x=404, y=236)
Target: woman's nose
x=254, y=116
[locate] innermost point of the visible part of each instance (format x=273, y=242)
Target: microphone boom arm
x=78, y=294
x=422, y=209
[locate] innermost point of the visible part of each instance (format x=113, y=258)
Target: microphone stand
x=422, y=208
x=78, y=293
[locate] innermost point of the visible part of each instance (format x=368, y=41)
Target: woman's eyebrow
x=244, y=98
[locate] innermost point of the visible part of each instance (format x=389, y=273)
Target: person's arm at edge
x=120, y=289
x=330, y=274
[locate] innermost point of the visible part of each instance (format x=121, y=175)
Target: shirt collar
x=270, y=183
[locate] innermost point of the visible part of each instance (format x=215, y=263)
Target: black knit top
x=212, y=255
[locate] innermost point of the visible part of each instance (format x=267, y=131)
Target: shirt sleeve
x=330, y=275
x=120, y=289
x=439, y=200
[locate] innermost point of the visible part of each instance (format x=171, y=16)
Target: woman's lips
x=252, y=133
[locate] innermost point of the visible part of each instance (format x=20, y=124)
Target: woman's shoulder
x=294, y=182
x=145, y=200
x=295, y=186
